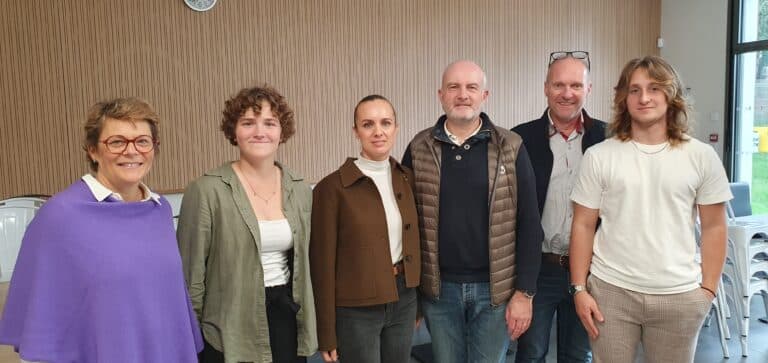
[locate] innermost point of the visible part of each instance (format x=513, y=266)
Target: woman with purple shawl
x=99, y=277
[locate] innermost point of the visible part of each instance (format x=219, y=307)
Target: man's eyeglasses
x=576, y=54
x=118, y=144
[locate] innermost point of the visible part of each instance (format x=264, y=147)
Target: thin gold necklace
x=253, y=190
x=637, y=147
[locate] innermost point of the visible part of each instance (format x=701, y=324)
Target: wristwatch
x=527, y=293
x=575, y=289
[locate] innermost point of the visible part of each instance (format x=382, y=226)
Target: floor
x=707, y=351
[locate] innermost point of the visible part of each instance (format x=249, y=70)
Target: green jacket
x=219, y=244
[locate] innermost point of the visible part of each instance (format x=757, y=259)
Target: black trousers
x=281, y=316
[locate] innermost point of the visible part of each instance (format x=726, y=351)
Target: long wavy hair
x=678, y=109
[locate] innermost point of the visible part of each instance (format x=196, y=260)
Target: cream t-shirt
x=647, y=197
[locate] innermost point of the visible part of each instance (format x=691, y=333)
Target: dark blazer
x=349, y=244
x=535, y=134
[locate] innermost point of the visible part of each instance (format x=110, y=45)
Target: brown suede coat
x=349, y=245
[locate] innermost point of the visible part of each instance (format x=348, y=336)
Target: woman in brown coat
x=364, y=247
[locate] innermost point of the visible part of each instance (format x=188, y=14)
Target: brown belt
x=555, y=259
x=398, y=269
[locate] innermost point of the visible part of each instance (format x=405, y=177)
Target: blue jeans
x=552, y=296
x=464, y=326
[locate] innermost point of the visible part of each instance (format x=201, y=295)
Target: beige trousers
x=667, y=325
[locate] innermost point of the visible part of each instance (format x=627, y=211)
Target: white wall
x=695, y=33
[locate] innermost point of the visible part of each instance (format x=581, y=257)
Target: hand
x=330, y=356
x=418, y=323
x=587, y=310
x=518, y=315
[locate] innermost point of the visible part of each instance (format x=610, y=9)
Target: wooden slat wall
x=59, y=57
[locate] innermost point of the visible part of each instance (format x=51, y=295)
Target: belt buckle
x=563, y=261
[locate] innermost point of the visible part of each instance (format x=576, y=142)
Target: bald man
x=480, y=228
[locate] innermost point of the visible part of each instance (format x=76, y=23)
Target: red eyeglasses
x=117, y=144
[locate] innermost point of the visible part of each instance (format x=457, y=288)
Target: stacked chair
x=174, y=199
x=746, y=268
x=719, y=307
x=15, y=215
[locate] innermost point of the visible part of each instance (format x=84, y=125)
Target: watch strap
x=575, y=289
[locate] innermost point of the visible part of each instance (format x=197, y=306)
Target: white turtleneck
x=381, y=173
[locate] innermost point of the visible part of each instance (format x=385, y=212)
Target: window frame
x=735, y=48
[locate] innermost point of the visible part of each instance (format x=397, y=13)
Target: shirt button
x=458, y=157
x=466, y=146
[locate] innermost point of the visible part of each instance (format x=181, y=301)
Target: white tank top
x=276, y=241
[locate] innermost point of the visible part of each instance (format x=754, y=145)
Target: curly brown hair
x=678, y=109
x=254, y=97
x=123, y=109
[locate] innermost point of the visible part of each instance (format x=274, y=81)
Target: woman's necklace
x=253, y=190
x=640, y=149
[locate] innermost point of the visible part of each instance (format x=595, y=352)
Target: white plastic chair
x=720, y=310
x=15, y=215
x=175, y=200
x=746, y=269
x=719, y=305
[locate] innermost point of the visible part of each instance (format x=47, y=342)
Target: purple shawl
x=100, y=282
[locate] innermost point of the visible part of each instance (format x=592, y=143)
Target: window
x=753, y=21
x=749, y=102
